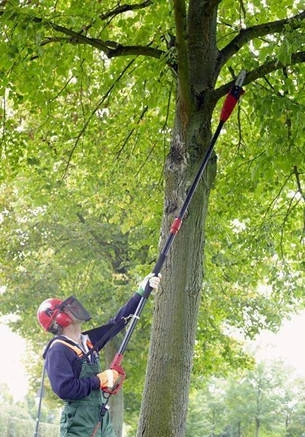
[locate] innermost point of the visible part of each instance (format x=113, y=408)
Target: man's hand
x=154, y=282
x=108, y=378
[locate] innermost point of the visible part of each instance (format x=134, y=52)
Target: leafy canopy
x=86, y=123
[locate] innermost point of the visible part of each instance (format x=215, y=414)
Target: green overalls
x=82, y=417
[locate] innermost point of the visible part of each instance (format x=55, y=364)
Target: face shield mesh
x=77, y=310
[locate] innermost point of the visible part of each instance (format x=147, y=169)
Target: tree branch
x=110, y=48
x=292, y=204
x=124, y=8
x=83, y=129
x=302, y=194
x=261, y=71
x=121, y=50
x=246, y=35
x=182, y=57
x=130, y=133
x=297, y=176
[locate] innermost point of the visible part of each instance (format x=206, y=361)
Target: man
x=72, y=361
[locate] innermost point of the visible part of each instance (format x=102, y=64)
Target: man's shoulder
x=62, y=344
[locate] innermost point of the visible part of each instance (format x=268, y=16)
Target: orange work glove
x=108, y=378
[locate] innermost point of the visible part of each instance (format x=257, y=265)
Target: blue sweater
x=63, y=365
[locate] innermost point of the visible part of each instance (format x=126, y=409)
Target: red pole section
x=232, y=97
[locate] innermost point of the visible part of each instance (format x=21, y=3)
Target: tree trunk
x=116, y=402
x=165, y=398
x=257, y=426
x=239, y=429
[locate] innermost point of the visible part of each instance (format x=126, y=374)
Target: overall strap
x=74, y=347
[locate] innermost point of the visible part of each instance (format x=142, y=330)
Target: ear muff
x=63, y=319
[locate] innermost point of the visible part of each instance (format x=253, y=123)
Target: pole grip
x=116, y=365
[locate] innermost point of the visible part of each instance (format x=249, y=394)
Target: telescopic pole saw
x=230, y=101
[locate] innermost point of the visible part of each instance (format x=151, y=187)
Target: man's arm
x=101, y=335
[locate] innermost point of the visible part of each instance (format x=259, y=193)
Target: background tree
x=265, y=401
x=294, y=409
x=263, y=388
x=19, y=418
x=85, y=85
x=207, y=415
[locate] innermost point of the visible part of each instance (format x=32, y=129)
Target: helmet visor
x=77, y=310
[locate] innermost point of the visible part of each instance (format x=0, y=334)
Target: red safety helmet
x=51, y=316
